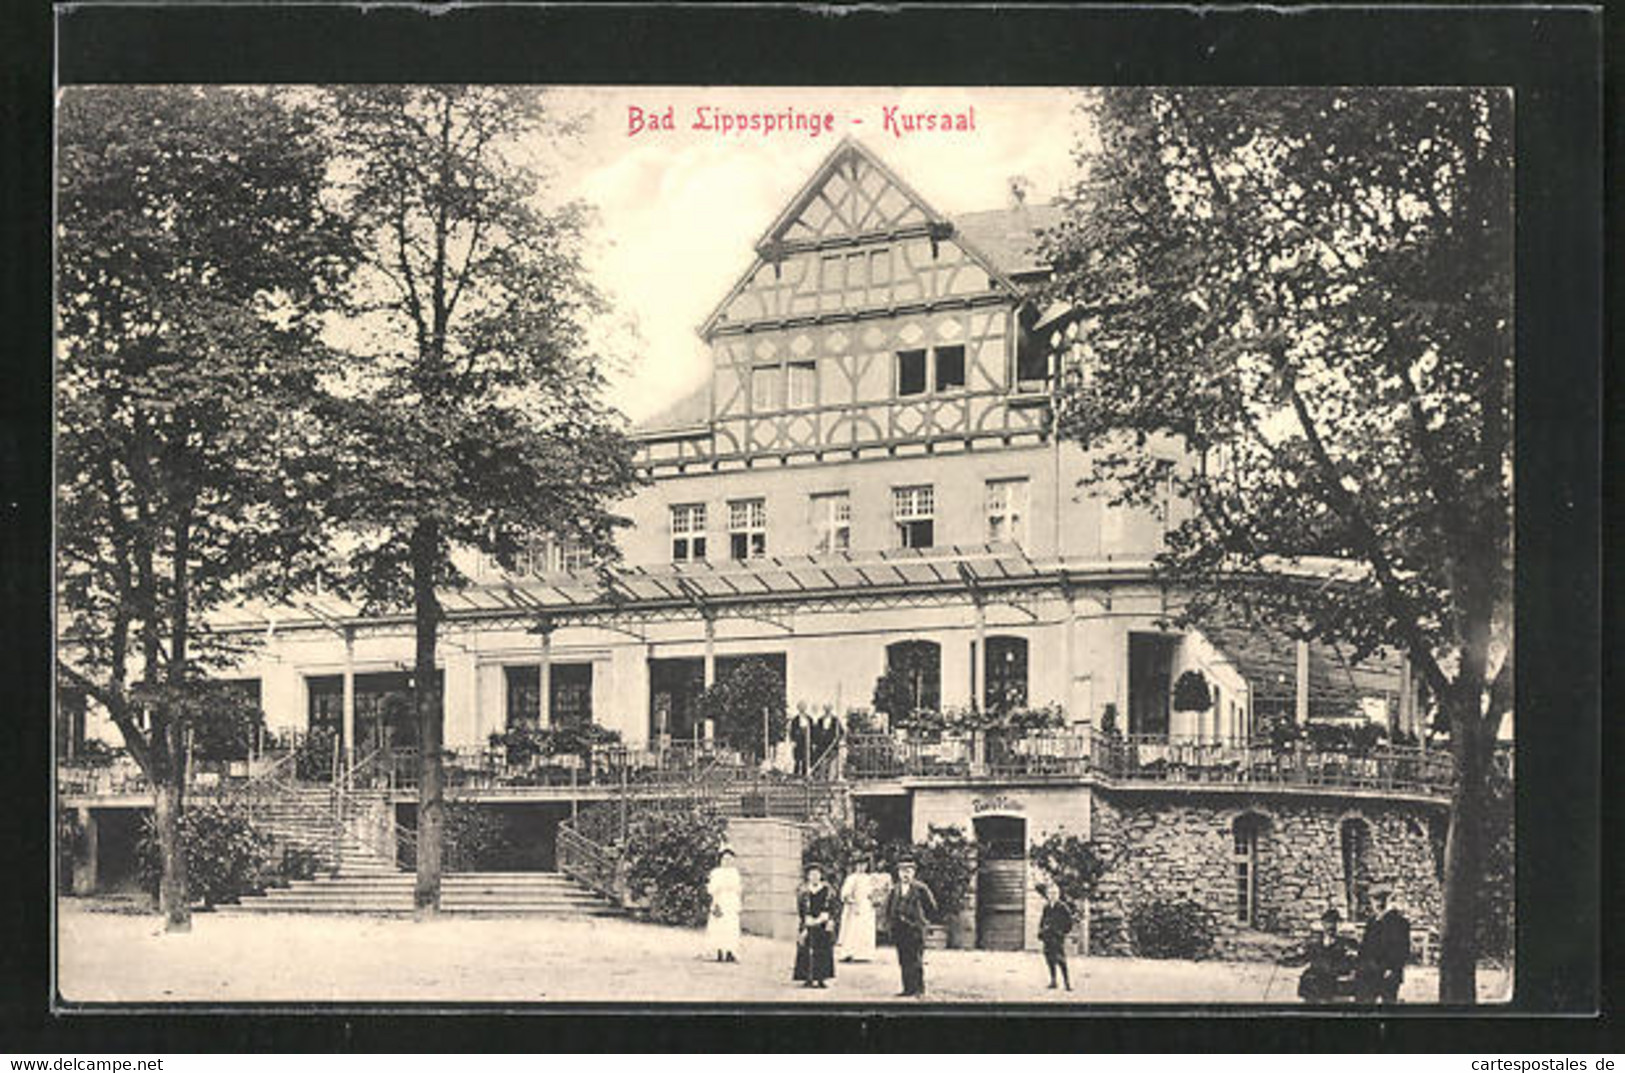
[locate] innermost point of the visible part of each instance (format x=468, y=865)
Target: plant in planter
x=1192, y=693
x=946, y=863
x=738, y=704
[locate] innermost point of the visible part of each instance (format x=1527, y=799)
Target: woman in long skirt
x=722, y=927
x=816, y=905
x=857, y=940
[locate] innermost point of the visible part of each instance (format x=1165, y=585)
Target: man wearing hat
x=1331, y=958
x=909, y=909
x=1384, y=949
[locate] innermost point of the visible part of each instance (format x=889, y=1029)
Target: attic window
x=911, y=372
x=950, y=368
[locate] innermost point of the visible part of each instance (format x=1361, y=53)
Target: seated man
x=1331, y=958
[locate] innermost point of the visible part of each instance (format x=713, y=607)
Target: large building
x=869, y=479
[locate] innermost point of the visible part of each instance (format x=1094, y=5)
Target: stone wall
x=768, y=856
x=1180, y=845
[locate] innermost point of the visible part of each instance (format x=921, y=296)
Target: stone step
x=262, y=907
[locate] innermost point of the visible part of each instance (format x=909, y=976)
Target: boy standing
x=1053, y=927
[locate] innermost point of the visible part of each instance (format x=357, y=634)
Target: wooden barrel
x=1001, y=904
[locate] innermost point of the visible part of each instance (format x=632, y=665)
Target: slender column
x=1301, y=709
x=710, y=649
x=1071, y=628
x=349, y=697
x=1407, y=698
x=978, y=670
x=544, y=679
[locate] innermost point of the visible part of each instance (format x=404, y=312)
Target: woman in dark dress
x=816, y=905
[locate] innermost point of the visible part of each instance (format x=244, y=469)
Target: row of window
x=914, y=511
x=916, y=372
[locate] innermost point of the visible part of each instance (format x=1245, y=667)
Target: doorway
x=675, y=686
x=1150, y=665
x=1001, y=882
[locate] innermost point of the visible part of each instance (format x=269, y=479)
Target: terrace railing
x=1080, y=751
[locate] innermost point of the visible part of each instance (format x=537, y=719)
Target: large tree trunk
x=172, y=898
x=1463, y=858
x=431, y=806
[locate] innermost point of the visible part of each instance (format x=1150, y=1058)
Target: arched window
x=1354, y=838
x=918, y=667
x=1245, y=835
x=1004, y=674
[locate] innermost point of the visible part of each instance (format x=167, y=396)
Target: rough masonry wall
x=1181, y=846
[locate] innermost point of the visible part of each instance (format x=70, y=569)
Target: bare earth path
x=111, y=957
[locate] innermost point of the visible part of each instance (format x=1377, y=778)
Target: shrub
x=836, y=847
x=223, y=720
x=296, y=863
x=313, y=757
x=669, y=856
x=226, y=855
x=526, y=744
x=736, y=703
x=1191, y=693
x=947, y=864
x=476, y=839
x=1172, y=928
x=1075, y=865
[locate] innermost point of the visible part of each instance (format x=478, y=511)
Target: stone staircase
x=461, y=894
x=303, y=817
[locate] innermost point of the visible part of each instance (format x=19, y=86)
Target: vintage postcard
x=851, y=546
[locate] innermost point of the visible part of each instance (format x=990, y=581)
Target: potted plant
x=947, y=864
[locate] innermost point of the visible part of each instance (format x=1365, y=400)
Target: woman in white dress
x=857, y=939
x=722, y=928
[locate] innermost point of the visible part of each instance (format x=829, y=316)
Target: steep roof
x=686, y=411
x=1009, y=237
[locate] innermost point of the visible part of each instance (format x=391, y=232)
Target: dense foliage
x=478, y=839
x=1172, y=928
x=669, y=856
x=946, y=863
x=196, y=257
x=737, y=703
x=1191, y=693
x=1073, y=863
x=526, y=745
x=1296, y=346
x=226, y=855
x=314, y=753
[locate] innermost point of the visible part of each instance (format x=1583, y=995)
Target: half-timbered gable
x=867, y=319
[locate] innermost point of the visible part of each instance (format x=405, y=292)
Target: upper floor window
x=747, y=528
x=914, y=512
x=688, y=532
x=832, y=522
x=1007, y=511
x=940, y=369
x=766, y=388
x=803, y=383
x=950, y=367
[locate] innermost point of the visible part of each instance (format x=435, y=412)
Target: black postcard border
x=1550, y=55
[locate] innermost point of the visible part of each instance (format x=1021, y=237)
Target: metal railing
x=1077, y=752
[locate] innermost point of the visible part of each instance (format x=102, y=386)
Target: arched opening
x=917, y=668
x=1004, y=674
x=1247, y=833
x=1001, y=882
x=1354, y=839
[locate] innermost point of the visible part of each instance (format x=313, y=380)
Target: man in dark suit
x=909, y=909
x=1384, y=950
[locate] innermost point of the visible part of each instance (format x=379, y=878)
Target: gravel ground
x=119, y=957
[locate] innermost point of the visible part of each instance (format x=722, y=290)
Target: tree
x=473, y=416
x=738, y=703
x=194, y=256
x=1308, y=294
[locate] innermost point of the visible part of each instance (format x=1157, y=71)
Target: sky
x=678, y=212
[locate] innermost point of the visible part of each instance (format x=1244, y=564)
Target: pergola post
x=1300, y=711
x=348, y=717
x=544, y=679
x=978, y=670
x=1071, y=628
